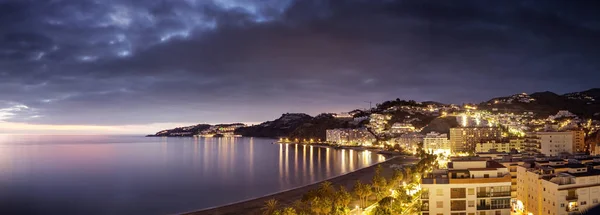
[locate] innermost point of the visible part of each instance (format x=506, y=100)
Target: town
x=492, y=162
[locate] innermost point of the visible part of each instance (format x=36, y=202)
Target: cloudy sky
x=125, y=66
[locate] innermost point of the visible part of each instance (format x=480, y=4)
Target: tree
x=288, y=211
x=342, y=198
x=361, y=191
x=270, y=207
x=300, y=207
x=381, y=211
x=320, y=205
x=379, y=182
x=326, y=190
x=386, y=202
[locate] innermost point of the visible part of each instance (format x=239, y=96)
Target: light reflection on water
x=137, y=175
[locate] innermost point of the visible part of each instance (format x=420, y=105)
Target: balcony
x=494, y=194
x=571, y=197
x=434, y=181
x=458, y=205
x=492, y=207
x=425, y=195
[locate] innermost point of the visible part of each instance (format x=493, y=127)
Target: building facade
x=436, y=143
x=579, y=145
x=464, y=139
x=555, y=143
x=349, y=136
x=469, y=186
x=556, y=187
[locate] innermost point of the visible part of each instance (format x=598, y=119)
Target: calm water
x=143, y=175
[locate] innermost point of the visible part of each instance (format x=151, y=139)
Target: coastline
x=287, y=197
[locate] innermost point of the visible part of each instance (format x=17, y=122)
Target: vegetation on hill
x=316, y=128
x=182, y=131
x=441, y=125
x=280, y=127
x=585, y=104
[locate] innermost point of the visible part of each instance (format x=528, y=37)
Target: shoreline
x=286, y=197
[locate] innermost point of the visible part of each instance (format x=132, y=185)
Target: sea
x=88, y=174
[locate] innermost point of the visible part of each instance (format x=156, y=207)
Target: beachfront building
x=556, y=187
x=436, y=143
x=349, y=136
x=464, y=139
x=409, y=141
x=470, y=185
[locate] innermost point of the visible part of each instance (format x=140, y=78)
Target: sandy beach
x=286, y=198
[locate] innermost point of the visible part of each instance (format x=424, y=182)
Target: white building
x=409, y=141
x=348, y=136
x=557, y=188
x=497, y=145
x=436, y=143
x=470, y=185
x=554, y=143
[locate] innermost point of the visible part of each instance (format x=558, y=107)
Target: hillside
x=424, y=115
x=585, y=104
x=280, y=127
x=317, y=127
x=182, y=131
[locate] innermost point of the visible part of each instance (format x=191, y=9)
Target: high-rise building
x=464, y=139
x=470, y=185
x=579, y=145
x=555, y=143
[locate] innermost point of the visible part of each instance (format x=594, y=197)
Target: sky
x=124, y=66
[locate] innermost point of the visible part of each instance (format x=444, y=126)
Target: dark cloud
x=131, y=62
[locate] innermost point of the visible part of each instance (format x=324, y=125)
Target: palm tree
x=326, y=189
x=320, y=205
x=300, y=206
x=379, y=184
x=368, y=191
x=270, y=207
x=359, y=191
x=288, y=211
x=343, y=197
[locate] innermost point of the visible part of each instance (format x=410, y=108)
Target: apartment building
x=579, y=145
x=348, y=136
x=555, y=143
x=436, y=143
x=495, y=145
x=469, y=186
x=556, y=187
x=464, y=139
